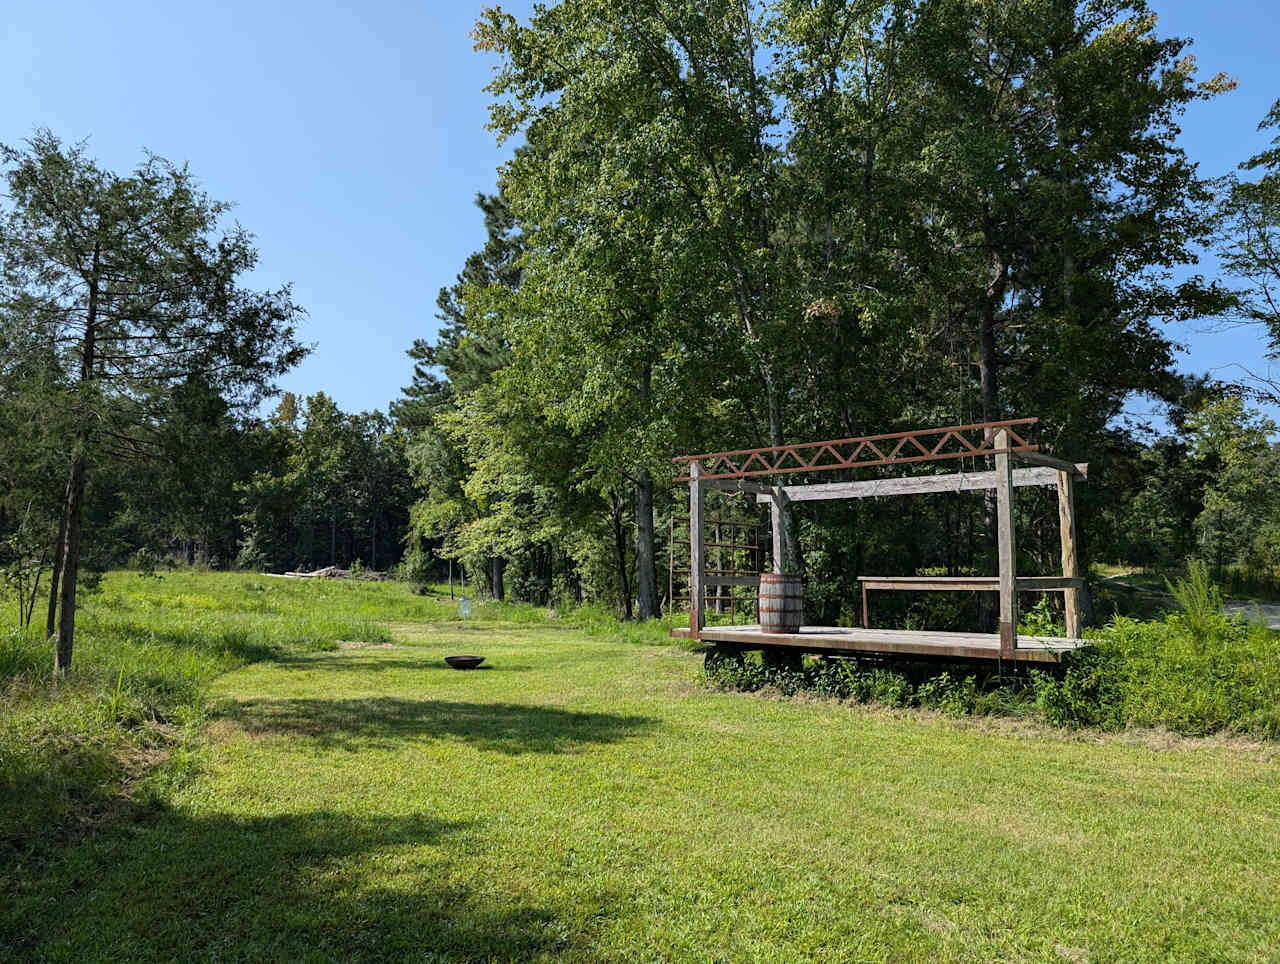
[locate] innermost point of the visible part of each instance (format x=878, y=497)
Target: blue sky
x=351, y=137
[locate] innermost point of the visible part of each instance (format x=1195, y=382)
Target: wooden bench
x=964, y=584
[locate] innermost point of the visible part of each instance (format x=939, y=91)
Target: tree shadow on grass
x=238, y=642
x=371, y=661
x=168, y=885
x=355, y=724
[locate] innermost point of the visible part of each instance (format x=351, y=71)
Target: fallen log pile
x=333, y=572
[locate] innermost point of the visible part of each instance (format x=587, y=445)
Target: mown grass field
x=586, y=799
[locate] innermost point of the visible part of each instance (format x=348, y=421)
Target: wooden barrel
x=781, y=602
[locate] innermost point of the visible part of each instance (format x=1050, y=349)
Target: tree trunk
x=497, y=566
x=646, y=552
x=990, y=391
x=55, y=584
x=35, y=591
x=74, y=509
x=787, y=551
x=70, y=564
x=620, y=544
x=646, y=574
x=333, y=540
x=988, y=362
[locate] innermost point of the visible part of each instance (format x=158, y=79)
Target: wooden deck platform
x=890, y=642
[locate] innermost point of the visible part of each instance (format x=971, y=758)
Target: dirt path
x=1270, y=612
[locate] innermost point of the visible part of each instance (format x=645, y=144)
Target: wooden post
x=697, y=618
x=1008, y=548
x=779, y=501
x=1070, y=563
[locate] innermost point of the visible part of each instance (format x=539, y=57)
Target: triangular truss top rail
x=921, y=445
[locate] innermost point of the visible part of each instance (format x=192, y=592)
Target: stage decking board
x=840, y=639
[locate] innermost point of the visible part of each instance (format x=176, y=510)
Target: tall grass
x=146, y=651
x=147, y=648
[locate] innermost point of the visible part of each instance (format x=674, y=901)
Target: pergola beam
x=864, y=451
x=1079, y=471
x=919, y=485
x=738, y=485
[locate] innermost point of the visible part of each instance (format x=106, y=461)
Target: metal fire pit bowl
x=464, y=662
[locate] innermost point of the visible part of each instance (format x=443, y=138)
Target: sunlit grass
x=584, y=799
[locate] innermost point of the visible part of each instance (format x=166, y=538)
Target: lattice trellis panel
x=894, y=448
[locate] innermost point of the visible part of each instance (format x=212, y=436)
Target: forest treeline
x=722, y=225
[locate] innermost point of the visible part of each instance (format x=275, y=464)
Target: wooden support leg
x=721, y=655
x=697, y=618
x=1007, y=547
x=782, y=658
x=776, y=509
x=1070, y=563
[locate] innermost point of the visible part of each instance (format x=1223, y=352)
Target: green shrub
x=1041, y=620
x=1200, y=601
x=145, y=561
x=846, y=679
x=952, y=696
x=1086, y=692
x=1191, y=674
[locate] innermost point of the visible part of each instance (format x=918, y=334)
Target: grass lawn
x=584, y=798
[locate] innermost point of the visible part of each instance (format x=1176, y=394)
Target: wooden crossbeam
x=973, y=583
x=918, y=485
x=896, y=448
x=1062, y=465
x=738, y=485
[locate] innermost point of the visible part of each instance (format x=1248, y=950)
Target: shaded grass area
x=357, y=724
x=593, y=804
x=147, y=650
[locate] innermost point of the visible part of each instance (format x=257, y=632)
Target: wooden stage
x=890, y=642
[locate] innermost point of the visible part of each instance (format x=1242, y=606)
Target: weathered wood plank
x=1007, y=546
x=916, y=485
x=925, y=582
x=1070, y=562
x=972, y=583
x=738, y=485
x=696, y=552
x=715, y=578
x=891, y=642
x=1049, y=583
x=1073, y=469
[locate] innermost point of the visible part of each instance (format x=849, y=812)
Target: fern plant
x=1199, y=599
